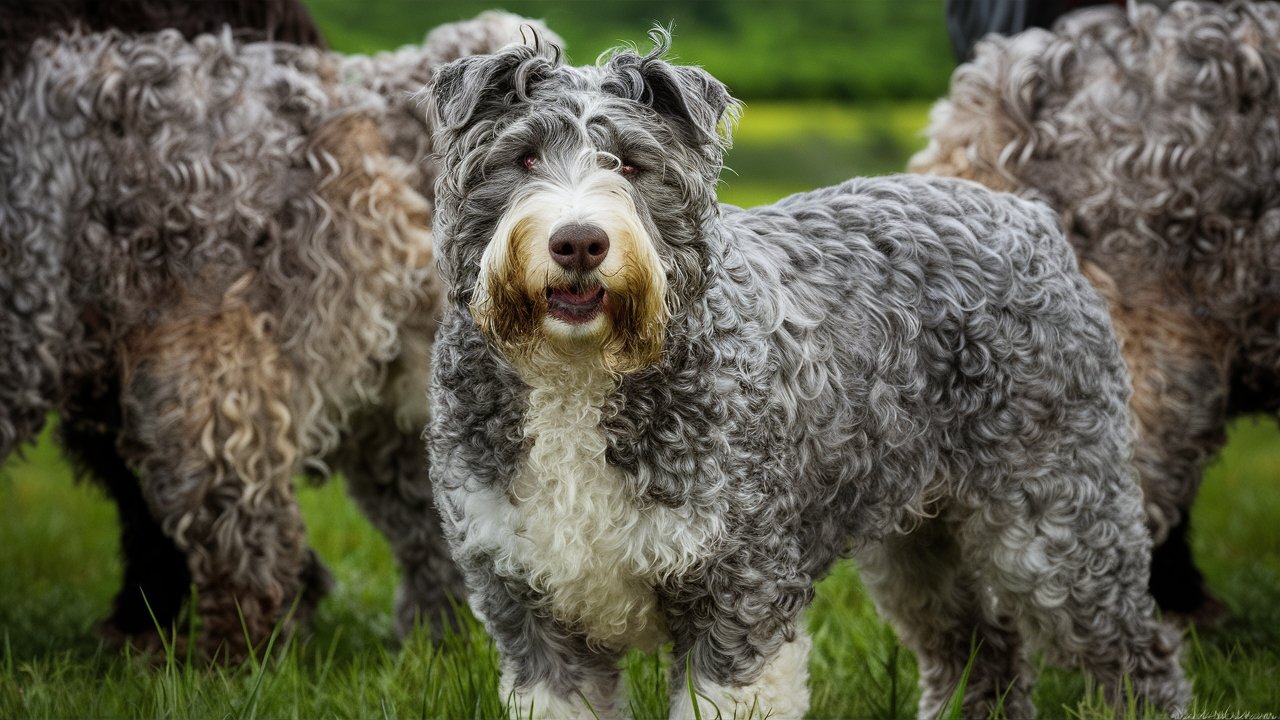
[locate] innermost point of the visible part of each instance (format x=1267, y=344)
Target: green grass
x=58, y=565
x=57, y=553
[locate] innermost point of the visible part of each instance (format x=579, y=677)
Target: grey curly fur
x=1156, y=135
x=229, y=243
x=908, y=369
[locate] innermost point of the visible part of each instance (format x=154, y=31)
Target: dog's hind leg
x=1177, y=584
x=209, y=426
x=934, y=599
x=1180, y=407
x=1179, y=365
x=386, y=472
x=1072, y=556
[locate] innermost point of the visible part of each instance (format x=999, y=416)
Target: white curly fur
x=570, y=524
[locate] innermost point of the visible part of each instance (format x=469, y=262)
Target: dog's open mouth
x=575, y=306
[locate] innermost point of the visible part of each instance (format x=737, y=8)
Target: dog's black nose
x=579, y=247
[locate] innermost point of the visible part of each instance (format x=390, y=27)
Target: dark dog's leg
x=1181, y=424
x=317, y=583
x=933, y=597
x=386, y=471
x=1179, y=405
x=156, y=581
x=1176, y=582
x=208, y=423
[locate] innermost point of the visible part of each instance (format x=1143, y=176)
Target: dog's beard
x=511, y=304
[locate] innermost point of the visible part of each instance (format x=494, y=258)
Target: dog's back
x=1153, y=133
x=934, y=325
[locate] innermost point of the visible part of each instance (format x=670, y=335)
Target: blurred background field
x=832, y=90
x=841, y=49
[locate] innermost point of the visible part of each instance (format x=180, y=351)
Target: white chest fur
x=589, y=547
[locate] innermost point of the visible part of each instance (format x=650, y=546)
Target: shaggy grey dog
x=1157, y=138
x=657, y=417
x=215, y=264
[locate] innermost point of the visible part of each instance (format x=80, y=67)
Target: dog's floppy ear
x=700, y=105
x=481, y=86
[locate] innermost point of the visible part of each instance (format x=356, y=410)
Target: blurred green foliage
x=780, y=148
x=837, y=49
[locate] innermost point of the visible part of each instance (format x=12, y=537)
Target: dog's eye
x=628, y=170
x=529, y=161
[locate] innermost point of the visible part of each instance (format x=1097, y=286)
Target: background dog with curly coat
x=217, y=268
x=155, y=578
x=656, y=417
x=1156, y=135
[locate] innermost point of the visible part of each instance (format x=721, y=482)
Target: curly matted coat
x=659, y=417
x=1156, y=135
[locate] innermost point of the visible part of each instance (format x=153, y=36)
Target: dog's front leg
x=548, y=670
x=747, y=658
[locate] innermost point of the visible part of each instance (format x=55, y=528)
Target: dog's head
x=572, y=202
